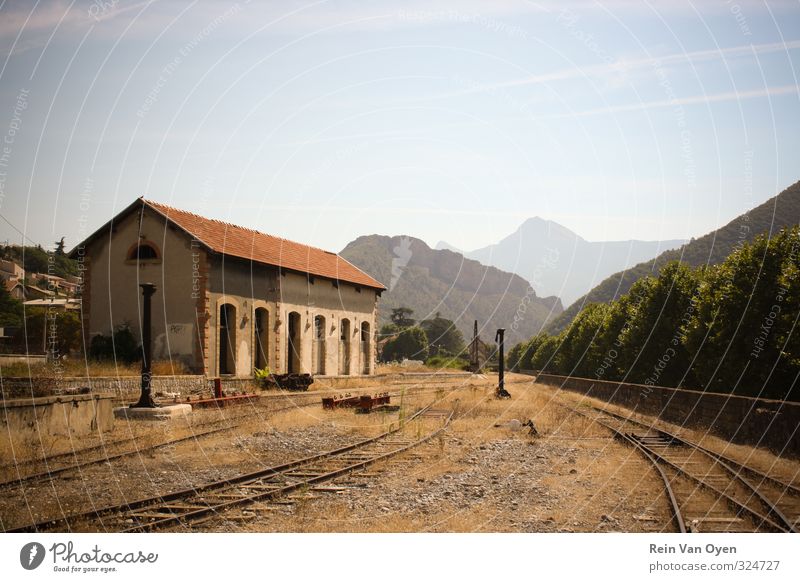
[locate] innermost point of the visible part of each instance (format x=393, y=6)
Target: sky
x=455, y=120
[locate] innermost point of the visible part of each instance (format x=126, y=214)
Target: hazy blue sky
x=455, y=120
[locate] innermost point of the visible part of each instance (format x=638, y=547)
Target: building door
x=293, y=345
x=227, y=339
x=344, y=347
x=262, y=338
x=366, y=351
x=319, y=345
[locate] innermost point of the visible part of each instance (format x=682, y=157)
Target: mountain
x=559, y=262
x=430, y=281
x=777, y=212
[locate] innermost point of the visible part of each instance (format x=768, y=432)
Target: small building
x=229, y=299
x=15, y=288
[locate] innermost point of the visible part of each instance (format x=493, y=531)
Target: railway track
x=57, y=461
x=59, y=464
x=209, y=501
x=707, y=491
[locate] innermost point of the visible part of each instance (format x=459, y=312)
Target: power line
x=24, y=236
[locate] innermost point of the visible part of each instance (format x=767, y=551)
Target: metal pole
x=501, y=388
x=146, y=398
x=475, y=363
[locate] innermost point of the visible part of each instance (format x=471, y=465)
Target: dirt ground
x=483, y=474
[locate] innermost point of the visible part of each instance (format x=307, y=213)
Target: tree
x=60, y=248
x=400, y=317
x=732, y=335
x=410, y=344
x=10, y=308
x=57, y=332
x=543, y=358
x=388, y=330
x=574, y=357
x=652, y=350
x=121, y=345
x=444, y=338
x=521, y=355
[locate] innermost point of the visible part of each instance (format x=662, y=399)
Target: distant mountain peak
x=445, y=246
x=557, y=261
x=543, y=226
x=778, y=212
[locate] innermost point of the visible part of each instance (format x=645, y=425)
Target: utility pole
x=475, y=363
x=501, y=383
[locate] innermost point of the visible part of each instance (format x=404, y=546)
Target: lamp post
x=146, y=398
x=501, y=388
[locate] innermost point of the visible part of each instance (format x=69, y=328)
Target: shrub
x=121, y=345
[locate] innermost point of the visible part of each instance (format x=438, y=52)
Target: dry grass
x=761, y=459
x=80, y=368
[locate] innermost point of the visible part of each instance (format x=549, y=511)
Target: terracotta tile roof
x=238, y=241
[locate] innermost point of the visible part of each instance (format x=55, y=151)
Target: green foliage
x=447, y=362
x=388, y=330
x=35, y=259
x=652, y=348
x=573, y=356
x=746, y=317
x=400, y=317
x=544, y=357
x=58, y=332
x=410, y=344
x=443, y=336
x=263, y=377
x=120, y=346
x=729, y=328
x=10, y=309
x=781, y=211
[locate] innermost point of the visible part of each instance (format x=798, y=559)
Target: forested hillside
x=727, y=328
x=777, y=212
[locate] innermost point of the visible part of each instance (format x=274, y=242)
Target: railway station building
x=229, y=299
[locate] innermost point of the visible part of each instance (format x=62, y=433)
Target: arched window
x=143, y=251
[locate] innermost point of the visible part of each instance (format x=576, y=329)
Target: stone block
x=171, y=412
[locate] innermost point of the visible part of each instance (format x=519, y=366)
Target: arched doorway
x=293, y=345
x=344, y=347
x=262, y=338
x=366, y=351
x=319, y=345
x=227, y=339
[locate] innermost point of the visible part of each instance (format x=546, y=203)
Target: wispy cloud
x=623, y=67
x=679, y=102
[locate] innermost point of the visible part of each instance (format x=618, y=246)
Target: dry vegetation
x=80, y=368
x=481, y=475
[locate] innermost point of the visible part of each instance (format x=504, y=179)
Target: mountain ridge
x=431, y=281
x=560, y=262
x=712, y=248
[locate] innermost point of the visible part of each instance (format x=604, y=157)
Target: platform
x=169, y=412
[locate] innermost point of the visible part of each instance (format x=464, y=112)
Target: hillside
x=430, y=281
x=777, y=212
x=560, y=262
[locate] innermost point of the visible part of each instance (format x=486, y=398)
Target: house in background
x=13, y=277
x=229, y=299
